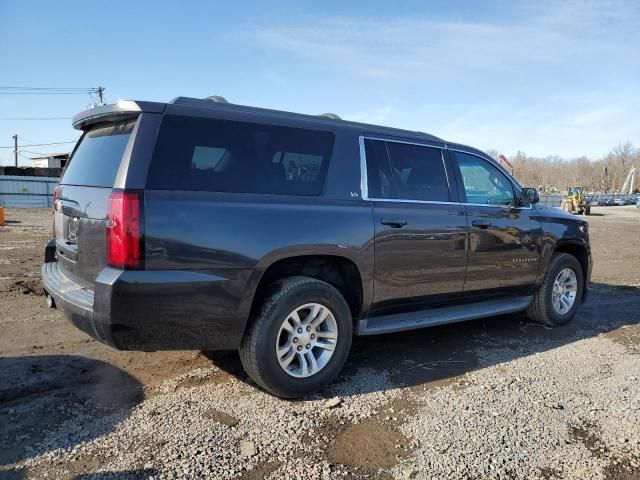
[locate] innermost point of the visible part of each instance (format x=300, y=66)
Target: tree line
x=554, y=174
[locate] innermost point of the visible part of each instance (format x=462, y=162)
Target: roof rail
x=217, y=98
x=199, y=101
x=332, y=116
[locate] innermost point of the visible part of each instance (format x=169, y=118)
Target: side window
x=418, y=172
x=208, y=158
x=299, y=167
x=379, y=181
x=213, y=155
x=484, y=184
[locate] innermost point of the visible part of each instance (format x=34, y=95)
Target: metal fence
x=602, y=199
x=17, y=191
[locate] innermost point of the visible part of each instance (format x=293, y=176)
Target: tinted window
x=379, y=180
x=418, y=172
x=224, y=156
x=97, y=158
x=484, y=183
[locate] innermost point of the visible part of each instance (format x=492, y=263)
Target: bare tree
x=553, y=173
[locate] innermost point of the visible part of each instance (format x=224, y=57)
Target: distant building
x=55, y=160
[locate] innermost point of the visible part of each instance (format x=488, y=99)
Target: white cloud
x=414, y=48
x=547, y=77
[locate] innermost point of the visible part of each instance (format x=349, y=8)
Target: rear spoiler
x=115, y=112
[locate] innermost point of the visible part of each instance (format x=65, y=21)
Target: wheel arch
x=578, y=250
x=339, y=271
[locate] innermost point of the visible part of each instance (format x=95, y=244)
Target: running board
x=440, y=316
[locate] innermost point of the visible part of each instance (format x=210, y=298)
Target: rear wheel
x=557, y=300
x=299, y=339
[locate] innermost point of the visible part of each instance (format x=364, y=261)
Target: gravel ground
x=494, y=398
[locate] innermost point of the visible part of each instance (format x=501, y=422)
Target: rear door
x=420, y=227
x=81, y=204
x=504, y=238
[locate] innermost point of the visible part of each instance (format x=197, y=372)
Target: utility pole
x=100, y=92
x=15, y=148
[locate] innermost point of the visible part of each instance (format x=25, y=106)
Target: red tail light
x=124, y=232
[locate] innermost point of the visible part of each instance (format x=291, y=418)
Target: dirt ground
x=53, y=376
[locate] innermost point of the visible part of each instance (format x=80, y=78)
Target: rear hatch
x=81, y=203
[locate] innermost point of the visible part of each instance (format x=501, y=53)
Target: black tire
x=257, y=351
x=541, y=308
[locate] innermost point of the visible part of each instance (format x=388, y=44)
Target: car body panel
x=206, y=252
x=426, y=257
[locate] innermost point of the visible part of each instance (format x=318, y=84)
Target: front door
x=504, y=238
x=420, y=227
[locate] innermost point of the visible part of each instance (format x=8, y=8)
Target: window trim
x=364, y=181
x=364, y=187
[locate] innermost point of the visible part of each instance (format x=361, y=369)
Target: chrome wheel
x=306, y=340
x=565, y=290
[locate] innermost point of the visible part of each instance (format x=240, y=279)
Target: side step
x=440, y=316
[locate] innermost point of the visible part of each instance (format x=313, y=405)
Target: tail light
x=124, y=230
x=55, y=195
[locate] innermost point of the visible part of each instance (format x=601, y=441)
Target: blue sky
x=544, y=77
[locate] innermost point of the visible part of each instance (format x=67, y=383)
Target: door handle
x=394, y=222
x=481, y=223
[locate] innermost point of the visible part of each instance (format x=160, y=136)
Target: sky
x=544, y=77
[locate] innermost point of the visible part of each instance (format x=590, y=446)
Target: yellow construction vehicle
x=575, y=201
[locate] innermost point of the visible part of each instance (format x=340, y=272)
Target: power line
x=83, y=92
x=34, y=118
x=46, y=88
x=35, y=153
x=18, y=90
x=43, y=144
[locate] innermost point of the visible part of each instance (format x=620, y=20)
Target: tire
x=258, y=349
x=542, y=309
x=587, y=210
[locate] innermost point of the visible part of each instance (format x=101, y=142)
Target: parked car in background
x=199, y=224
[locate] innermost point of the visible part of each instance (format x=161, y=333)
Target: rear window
x=225, y=156
x=97, y=158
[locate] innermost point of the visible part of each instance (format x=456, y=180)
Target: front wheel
x=299, y=339
x=557, y=299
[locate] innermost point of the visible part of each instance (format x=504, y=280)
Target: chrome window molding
x=364, y=180
x=364, y=187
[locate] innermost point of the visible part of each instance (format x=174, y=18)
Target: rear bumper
x=76, y=303
x=152, y=310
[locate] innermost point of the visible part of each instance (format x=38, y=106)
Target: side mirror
x=529, y=195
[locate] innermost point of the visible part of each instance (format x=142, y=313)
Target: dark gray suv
x=198, y=224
